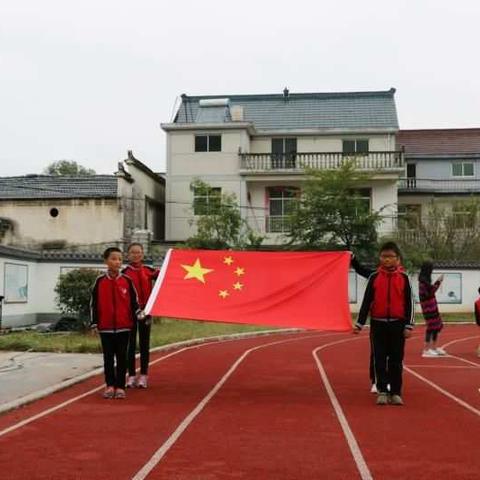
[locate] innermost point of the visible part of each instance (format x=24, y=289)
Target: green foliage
x=73, y=291
x=218, y=221
x=332, y=213
x=444, y=233
x=67, y=167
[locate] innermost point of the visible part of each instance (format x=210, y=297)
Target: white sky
x=87, y=80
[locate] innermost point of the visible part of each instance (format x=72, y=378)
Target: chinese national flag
x=281, y=289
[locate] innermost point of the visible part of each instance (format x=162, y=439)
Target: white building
x=256, y=146
x=41, y=211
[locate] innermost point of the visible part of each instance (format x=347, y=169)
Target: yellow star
x=228, y=260
x=240, y=271
x=196, y=271
x=223, y=293
x=237, y=286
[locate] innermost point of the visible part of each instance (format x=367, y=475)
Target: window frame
x=355, y=142
x=282, y=200
x=462, y=165
x=208, y=141
x=209, y=207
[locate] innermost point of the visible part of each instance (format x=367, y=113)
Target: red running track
x=277, y=407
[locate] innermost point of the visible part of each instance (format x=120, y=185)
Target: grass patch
x=164, y=331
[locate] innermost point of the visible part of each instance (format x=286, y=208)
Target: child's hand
x=93, y=331
x=440, y=278
x=407, y=333
x=356, y=330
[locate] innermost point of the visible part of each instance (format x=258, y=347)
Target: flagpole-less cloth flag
x=281, y=289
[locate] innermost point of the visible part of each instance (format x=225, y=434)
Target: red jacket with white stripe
x=114, y=303
x=388, y=296
x=142, y=277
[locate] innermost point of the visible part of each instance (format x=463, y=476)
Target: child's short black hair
x=391, y=246
x=478, y=289
x=110, y=250
x=134, y=244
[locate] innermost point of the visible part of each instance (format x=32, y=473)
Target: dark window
x=206, y=201
x=355, y=146
x=201, y=143
x=208, y=143
x=214, y=143
x=284, y=152
x=54, y=212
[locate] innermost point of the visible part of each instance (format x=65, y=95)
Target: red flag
x=282, y=289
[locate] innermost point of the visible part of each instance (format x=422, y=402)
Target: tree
x=73, y=291
x=332, y=212
x=67, y=167
x=443, y=233
x=218, y=220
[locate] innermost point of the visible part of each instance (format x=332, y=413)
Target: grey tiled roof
x=351, y=110
x=61, y=186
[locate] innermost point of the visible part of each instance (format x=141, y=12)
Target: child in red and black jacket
x=114, y=307
x=143, y=278
x=389, y=301
x=477, y=317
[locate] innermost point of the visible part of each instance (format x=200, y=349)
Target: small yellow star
x=223, y=293
x=196, y=271
x=237, y=286
x=240, y=271
x=228, y=260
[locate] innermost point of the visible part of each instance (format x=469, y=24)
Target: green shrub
x=74, y=290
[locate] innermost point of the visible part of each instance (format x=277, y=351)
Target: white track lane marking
x=347, y=431
x=468, y=367
x=459, y=340
x=96, y=389
x=444, y=392
x=163, y=449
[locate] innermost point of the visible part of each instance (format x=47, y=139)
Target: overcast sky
x=88, y=80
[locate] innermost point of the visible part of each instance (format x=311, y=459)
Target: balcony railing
x=297, y=162
x=438, y=185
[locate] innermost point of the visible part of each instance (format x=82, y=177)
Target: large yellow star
x=196, y=271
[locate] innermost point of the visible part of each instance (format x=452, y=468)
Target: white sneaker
x=131, y=382
x=373, y=389
x=142, y=381
x=430, y=353
x=441, y=352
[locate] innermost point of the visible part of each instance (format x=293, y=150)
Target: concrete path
x=25, y=373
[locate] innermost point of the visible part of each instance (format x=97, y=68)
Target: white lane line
x=96, y=389
x=163, y=449
x=468, y=367
x=347, y=431
x=451, y=396
x=459, y=340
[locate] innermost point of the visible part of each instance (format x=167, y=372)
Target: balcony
x=297, y=162
x=430, y=185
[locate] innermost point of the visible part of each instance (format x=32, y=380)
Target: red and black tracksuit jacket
x=388, y=297
x=142, y=277
x=114, y=303
x=477, y=312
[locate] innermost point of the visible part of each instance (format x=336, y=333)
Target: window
x=283, y=152
x=409, y=216
x=206, y=201
x=362, y=200
x=462, y=169
x=281, y=202
x=463, y=217
x=208, y=143
x=355, y=146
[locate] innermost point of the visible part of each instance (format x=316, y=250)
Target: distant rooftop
x=444, y=141
x=294, y=111
x=58, y=186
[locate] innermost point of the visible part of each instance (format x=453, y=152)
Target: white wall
x=469, y=284
x=78, y=222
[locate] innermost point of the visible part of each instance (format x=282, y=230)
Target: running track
x=291, y=406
